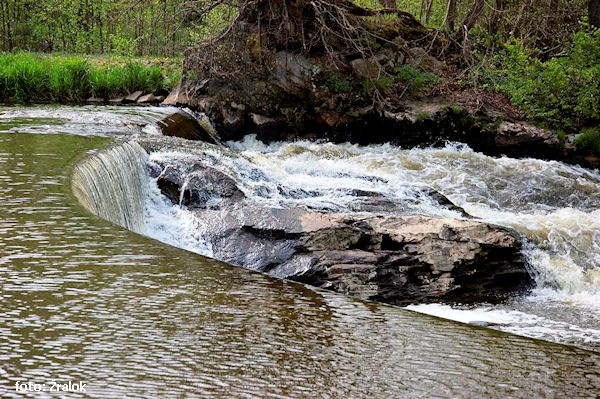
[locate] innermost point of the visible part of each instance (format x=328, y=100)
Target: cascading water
x=555, y=206
x=105, y=307
x=111, y=184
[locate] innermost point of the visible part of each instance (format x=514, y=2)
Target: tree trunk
x=428, y=11
x=101, y=26
x=4, y=45
x=470, y=20
x=524, y=9
x=451, y=14
x=594, y=12
x=391, y=4
x=495, y=18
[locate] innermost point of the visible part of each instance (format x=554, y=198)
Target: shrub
x=564, y=91
x=337, y=84
x=415, y=78
x=589, y=140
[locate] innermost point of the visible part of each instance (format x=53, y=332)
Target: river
x=85, y=300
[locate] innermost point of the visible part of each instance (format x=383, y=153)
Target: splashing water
x=555, y=206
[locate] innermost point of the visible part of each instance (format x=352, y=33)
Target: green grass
x=28, y=77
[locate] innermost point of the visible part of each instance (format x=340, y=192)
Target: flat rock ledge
x=395, y=260
x=398, y=260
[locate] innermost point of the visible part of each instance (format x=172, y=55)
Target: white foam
x=516, y=322
x=173, y=224
x=105, y=121
x=556, y=206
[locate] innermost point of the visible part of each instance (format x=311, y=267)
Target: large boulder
x=184, y=125
x=398, y=259
x=199, y=187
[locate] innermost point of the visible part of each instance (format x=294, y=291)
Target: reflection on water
x=81, y=299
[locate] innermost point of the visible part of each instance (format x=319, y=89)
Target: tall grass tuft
x=27, y=77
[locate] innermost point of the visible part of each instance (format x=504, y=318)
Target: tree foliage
x=126, y=27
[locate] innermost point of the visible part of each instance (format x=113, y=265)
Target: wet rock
x=392, y=259
x=133, y=97
x=442, y=200
x=266, y=128
x=170, y=181
x=522, y=137
x=397, y=260
x=181, y=124
x=154, y=170
x=198, y=187
x=233, y=119
x=149, y=99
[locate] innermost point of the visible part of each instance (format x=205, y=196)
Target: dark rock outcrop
x=396, y=260
x=181, y=124
x=392, y=259
x=198, y=189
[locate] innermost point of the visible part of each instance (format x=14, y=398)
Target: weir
x=111, y=184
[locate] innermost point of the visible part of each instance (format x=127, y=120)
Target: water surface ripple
x=81, y=299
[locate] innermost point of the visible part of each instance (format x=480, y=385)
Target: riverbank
x=395, y=80
x=60, y=78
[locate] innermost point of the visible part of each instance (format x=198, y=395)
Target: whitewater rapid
x=554, y=205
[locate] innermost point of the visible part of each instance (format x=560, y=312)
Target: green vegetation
x=337, y=84
x=26, y=77
x=122, y=27
x=410, y=79
x=589, y=140
x=562, y=91
x=414, y=78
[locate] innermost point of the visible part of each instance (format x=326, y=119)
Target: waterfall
x=111, y=184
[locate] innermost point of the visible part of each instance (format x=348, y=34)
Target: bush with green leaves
x=415, y=78
x=562, y=91
x=589, y=140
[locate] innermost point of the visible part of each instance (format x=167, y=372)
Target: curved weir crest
x=112, y=184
